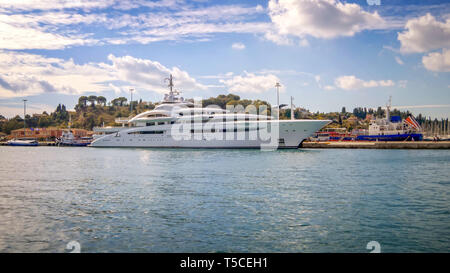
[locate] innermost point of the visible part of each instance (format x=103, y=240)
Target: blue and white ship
x=392, y=129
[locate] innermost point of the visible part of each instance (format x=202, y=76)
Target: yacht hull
x=291, y=134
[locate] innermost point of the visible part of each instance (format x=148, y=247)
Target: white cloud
x=353, y=83
x=13, y=37
x=277, y=38
x=438, y=62
x=23, y=74
x=59, y=24
x=251, y=83
x=321, y=18
x=238, y=46
x=86, y=5
x=150, y=75
x=399, y=61
x=424, y=34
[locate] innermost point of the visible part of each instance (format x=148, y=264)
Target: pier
x=41, y=143
x=378, y=145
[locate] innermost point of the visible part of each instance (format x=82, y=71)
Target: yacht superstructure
x=180, y=123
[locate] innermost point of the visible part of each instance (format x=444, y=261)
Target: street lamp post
x=24, y=116
x=278, y=85
x=131, y=100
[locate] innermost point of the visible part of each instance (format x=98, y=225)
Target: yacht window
x=172, y=122
x=161, y=123
x=150, y=123
x=146, y=133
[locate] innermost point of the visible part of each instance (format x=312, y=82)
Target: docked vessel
x=333, y=134
x=392, y=129
x=69, y=139
x=23, y=142
x=180, y=123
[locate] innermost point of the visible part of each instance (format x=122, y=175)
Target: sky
x=325, y=53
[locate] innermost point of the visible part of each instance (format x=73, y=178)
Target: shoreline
x=347, y=144
x=377, y=145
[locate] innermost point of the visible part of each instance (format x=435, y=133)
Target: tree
x=92, y=99
x=82, y=101
x=343, y=110
x=122, y=100
x=101, y=100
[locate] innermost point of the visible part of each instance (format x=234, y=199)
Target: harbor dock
x=41, y=143
x=350, y=144
x=378, y=145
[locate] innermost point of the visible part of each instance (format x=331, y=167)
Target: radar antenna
x=171, y=97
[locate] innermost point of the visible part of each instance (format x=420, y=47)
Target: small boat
x=68, y=139
x=23, y=142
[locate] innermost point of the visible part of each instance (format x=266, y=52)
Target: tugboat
x=68, y=138
x=393, y=129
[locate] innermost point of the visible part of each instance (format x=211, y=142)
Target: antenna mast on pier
x=278, y=85
x=388, y=108
x=292, y=108
x=24, y=116
x=131, y=101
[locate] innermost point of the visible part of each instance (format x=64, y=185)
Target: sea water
x=187, y=200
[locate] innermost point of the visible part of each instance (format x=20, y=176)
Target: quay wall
x=379, y=145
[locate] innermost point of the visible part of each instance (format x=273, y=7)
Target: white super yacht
x=177, y=123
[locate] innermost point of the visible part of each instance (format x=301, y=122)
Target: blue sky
x=326, y=53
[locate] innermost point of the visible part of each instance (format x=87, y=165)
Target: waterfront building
x=45, y=133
